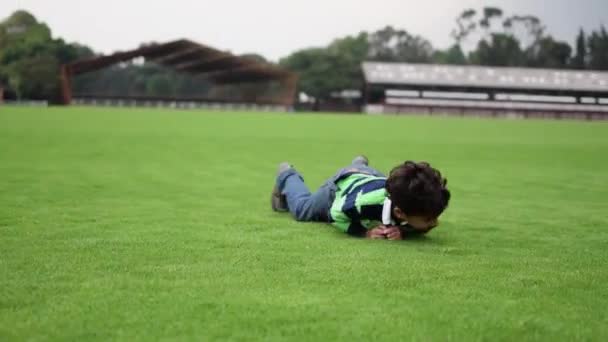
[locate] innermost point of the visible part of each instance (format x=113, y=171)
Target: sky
x=275, y=28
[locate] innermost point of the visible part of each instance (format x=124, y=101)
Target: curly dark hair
x=418, y=189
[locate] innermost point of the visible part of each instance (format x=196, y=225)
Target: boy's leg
x=361, y=163
x=358, y=165
x=303, y=205
x=277, y=199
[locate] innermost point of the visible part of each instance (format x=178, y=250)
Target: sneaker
x=360, y=160
x=278, y=202
x=284, y=166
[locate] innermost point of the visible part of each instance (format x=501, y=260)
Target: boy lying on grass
x=362, y=202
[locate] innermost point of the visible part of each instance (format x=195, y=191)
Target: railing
x=25, y=103
x=179, y=104
x=513, y=109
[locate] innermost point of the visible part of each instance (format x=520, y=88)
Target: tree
x=22, y=27
x=324, y=70
x=453, y=55
x=598, y=49
x=30, y=57
x=35, y=78
x=580, y=59
x=501, y=50
x=548, y=53
x=489, y=14
x=392, y=45
x=465, y=24
x=349, y=52
x=519, y=41
x=527, y=28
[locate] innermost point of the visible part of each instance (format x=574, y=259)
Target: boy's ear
x=399, y=214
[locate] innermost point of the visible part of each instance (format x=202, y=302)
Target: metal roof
x=485, y=77
x=189, y=57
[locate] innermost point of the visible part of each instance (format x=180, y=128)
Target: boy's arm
x=350, y=227
x=355, y=228
x=348, y=212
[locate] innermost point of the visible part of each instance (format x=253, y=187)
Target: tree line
x=487, y=37
x=30, y=57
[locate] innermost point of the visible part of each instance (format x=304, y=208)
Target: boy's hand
x=376, y=233
x=393, y=233
x=384, y=232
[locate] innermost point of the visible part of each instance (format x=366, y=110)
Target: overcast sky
x=275, y=28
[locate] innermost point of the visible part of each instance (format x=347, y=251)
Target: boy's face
x=420, y=223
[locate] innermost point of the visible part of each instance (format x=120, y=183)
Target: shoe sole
x=277, y=201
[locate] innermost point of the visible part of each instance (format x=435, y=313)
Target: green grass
x=149, y=224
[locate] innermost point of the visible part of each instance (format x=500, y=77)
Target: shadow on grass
x=424, y=241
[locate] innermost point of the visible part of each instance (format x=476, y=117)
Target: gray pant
x=305, y=206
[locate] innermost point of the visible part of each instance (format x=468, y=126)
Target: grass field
x=148, y=224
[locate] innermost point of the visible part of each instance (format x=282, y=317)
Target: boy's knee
x=301, y=213
x=370, y=170
x=282, y=178
x=300, y=218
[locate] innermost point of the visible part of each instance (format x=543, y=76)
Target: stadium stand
x=486, y=91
